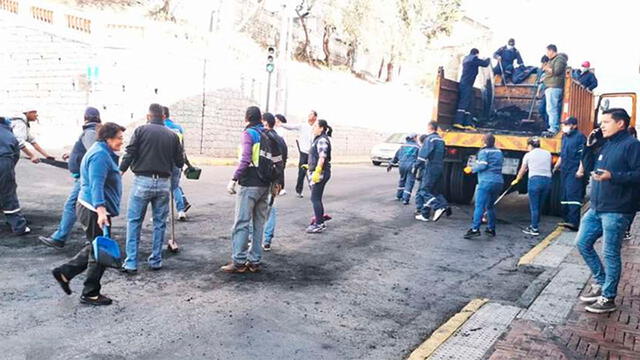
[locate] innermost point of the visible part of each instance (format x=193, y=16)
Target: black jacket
x=620, y=155
x=153, y=150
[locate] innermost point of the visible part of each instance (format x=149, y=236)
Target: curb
x=528, y=258
x=444, y=332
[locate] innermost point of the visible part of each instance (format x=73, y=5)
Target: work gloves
x=315, y=177
x=515, y=182
x=468, y=170
x=231, y=188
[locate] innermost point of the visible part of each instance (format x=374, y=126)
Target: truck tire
x=460, y=187
x=552, y=205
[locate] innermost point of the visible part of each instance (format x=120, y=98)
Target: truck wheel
x=376, y=163
x=552, y=205
x=461, y=187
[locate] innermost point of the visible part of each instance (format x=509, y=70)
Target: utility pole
x=283, y=58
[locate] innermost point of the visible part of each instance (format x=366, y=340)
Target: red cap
x=586, y=64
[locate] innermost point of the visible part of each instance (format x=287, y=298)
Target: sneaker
x=627, y=235
x=187, y=205
x=592, y=295
x=182, y=216
x=472, y=234
x=299, y=195
x=490, y=232
x=315, y=229
x=417, y=212
x=405, y=202
x=100, y=300
x=422, y=218
x=26, y=231
x=531, y=231
x=57, y=274
x=234, y=268
x=266, y=247
x=282, y=192
x=49, y=241
x=398, y=199
x=602, y=305
x=438, y=213
x=448, y=212
x=254, y=268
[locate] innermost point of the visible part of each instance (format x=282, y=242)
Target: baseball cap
x=570, y=121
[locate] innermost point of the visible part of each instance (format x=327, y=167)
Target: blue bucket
x=106, y=251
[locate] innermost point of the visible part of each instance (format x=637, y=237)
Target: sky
x=604, y=32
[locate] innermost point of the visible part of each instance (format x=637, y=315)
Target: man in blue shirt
x=613, y=155
x=506, y=55
x=585, y=76
x=431, y=161
x=470, y=66
x=572, y=183
x=406, y=158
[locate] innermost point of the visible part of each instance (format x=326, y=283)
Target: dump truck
x=512, y=135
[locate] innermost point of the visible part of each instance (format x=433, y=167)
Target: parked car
x=384, y=152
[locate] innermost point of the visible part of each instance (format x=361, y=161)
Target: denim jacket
x=488, y=165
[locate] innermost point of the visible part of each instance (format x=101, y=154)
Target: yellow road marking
x=440, y=335
x=528, y=257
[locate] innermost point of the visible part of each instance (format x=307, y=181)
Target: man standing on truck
x=431, y=161
x=572, y=183
x=585, y=76
x=614, y=157
x=506, y=55
x=554, y=83
x=470, y=66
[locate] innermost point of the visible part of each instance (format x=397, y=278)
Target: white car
x=384, y=152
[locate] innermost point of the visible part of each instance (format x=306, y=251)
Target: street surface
x=373, y=286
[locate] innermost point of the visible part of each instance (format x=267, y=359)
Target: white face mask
x=584, y=69
x=566, y=129
x=510, y=47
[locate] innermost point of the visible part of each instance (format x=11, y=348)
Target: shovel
x=533, y=100
x=504, y=82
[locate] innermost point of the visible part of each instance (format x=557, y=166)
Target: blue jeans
x=251, y=213
x=553, y=97
x=178, y=194
x=270, y=226
x=147, y=190
x=68, y=214
x=486, y=195
x=611, y=227
x=539, y=187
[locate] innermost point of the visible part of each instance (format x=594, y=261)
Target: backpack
x=270, y=167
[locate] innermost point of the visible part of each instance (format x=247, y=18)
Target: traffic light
x=271, y=54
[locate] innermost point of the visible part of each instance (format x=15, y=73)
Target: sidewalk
x=548, y=322
x=583, y=335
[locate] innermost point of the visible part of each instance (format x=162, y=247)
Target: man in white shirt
x=538, y=162
x=22, y=131
x=305, y=138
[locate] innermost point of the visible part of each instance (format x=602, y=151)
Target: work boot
x=602, y=305
x=592, y=295
x=472, y=233
x=49, y=241
x=234, y=268
x=422, y=218
x=254, y=268
x=531, y=231
x=99, y=300
x=182, y=216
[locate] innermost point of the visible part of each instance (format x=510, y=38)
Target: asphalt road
x=373, y=286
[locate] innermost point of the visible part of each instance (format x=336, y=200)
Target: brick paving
x=584, y=336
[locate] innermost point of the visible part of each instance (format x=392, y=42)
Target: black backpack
x=270, y=166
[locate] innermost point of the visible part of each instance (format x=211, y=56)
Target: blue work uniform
x=406, y=157
x=488, y=166
x=585, y=78
x=431, y=161
x=470, y=66
x=9, y=155
x=508, y=56
x=572, y=187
